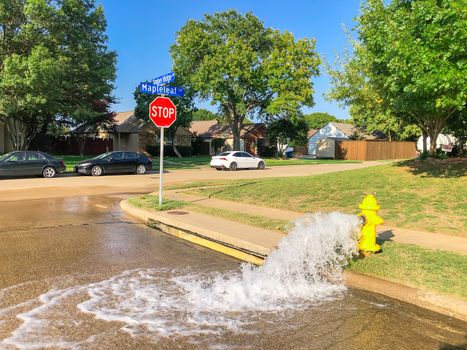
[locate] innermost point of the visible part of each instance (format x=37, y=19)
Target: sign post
x=161, y=166
x=163, y=114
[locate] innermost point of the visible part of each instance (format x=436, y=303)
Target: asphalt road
x=68, y=186
x=77, y=273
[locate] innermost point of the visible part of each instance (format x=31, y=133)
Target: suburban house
x=128, y=134
x=214, y=137
x=133, y=134
x=332, y=130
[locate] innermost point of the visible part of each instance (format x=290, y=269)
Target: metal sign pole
x=161, y=166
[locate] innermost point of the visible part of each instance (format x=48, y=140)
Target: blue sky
x=141, y=31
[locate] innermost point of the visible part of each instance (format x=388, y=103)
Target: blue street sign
x=164, y=79
x=147, y=88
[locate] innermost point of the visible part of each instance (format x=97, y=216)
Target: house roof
x=347, y=129
x=121, y=117
x=212, y=129
x=253, y=128
x=130, y=125
x=311, y=132
x=208, y=129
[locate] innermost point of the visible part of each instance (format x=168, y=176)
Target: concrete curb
x=239, y=249
x=244, y=251
x=442, y=304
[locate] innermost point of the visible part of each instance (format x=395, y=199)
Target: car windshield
x=224, y=154
x=5, y=156
x=103, y=155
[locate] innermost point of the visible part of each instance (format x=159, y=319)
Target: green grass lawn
x=439, y=271
x=428, y=198
x=203, y=161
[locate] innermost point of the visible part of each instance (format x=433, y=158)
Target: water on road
x=76, y=273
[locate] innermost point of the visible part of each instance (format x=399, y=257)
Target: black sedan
x=114, y=163
x=28, y=163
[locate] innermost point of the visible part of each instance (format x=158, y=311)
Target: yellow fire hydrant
x=369, y=207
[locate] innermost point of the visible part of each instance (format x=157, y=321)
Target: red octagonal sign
x=162, y=112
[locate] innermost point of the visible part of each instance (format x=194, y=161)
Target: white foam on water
x=306, y=269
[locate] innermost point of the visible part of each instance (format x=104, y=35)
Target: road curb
x=442, y=304
x=240, y=250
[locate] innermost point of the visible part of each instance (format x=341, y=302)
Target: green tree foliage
x=318, y=119
x=185, y=111
x=351, y=87
x=415, y=59
x=287, y=132
x=54, y=65
x=204, y=114
x=245, y=69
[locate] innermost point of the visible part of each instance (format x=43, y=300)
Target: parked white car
x=237, y=160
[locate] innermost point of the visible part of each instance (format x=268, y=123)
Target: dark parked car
x=24, y=163
x=114, y=163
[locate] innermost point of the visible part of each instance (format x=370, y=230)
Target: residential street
x=78, y=273
x=68, y=186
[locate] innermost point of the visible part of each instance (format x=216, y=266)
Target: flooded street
x=77, y=273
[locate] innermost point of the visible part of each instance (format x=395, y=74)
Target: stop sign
x=162, y=112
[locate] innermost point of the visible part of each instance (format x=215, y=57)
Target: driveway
x=67, y=186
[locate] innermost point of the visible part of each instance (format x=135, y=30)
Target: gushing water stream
x=305, y=269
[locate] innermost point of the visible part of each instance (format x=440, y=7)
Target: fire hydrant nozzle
x=370, y=220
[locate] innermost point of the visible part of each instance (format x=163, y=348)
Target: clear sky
x=141, y=31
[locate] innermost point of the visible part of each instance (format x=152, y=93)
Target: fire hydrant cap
x=369, y=203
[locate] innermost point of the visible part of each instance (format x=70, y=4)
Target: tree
x=29, y=88
x=54, y=63
x=90, y=66
x=204, y=114
x=185, y=111
x=416, y=59
x=243, y=68
x=351, y=87
x=287, y=132
x=318, y=119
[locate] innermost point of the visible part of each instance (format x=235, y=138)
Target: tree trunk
x=17, y=132
x=424, y=137
x=81, y=144
x=236, y=136
x=174, y=147
x=433, y=137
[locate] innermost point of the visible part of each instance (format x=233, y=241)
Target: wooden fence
x=91, y=147
x=374, y=150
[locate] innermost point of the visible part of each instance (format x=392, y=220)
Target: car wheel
x=218, y=169
x=141, y=169
x=96, y=170
x=233, y=166
x=261, y=166
x=49, y=172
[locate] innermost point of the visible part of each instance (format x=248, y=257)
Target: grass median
x=438, y=271
x=425, y=197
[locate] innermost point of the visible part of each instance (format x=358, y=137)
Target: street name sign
x=153, y=89
x=164, y=79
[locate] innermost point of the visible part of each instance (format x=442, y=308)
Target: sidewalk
x=385, y=233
